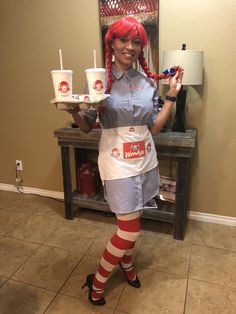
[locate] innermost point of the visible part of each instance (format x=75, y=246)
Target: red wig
x=131, y=28
x=127, y=27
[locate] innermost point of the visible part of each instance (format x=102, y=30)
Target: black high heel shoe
x=89, y=284
x=134, y=283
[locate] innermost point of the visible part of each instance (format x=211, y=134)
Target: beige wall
x=31, y=33
x=209, y=26
x=30, y=38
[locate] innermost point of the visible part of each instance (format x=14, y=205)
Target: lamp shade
x=190, y=60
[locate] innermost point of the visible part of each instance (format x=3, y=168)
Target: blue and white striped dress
x=133, y=101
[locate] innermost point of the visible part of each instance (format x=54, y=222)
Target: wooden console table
x=175, y=144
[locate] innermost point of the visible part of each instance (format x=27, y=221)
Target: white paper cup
x=62, y=84
x=96, y=81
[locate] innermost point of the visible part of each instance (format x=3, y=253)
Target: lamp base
x=179, y=124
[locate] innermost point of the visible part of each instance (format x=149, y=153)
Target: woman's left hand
x=175, y=82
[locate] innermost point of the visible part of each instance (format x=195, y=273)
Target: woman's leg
x=126, y=260
x=123, y=240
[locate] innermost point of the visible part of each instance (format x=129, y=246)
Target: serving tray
x=83, y=101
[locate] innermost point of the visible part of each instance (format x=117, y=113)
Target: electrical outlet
x=19, y=165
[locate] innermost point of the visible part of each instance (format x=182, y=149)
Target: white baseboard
x=224, y=220
x=216, y=219
x=28, y=190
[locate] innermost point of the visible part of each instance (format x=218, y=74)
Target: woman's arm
x=175, y=84
x=80, y=120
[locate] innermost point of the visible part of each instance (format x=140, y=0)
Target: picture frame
x=167, y=190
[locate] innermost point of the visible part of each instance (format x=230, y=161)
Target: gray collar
x=118, y=74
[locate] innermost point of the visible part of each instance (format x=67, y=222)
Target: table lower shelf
x=165, y=211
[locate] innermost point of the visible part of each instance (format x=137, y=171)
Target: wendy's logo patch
x=134, y=149
x=149, y=147
x=115, y=152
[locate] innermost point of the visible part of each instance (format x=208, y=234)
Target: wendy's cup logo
x=86, y=98
x=98, y=86
x=63, y=87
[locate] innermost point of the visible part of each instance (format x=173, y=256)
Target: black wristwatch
x=171, y=98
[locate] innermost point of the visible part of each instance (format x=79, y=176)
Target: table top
x=168, y=138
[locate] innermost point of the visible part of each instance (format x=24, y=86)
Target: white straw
x=61, y=61
x=94, y=58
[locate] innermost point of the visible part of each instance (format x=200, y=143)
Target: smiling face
x=126, y=51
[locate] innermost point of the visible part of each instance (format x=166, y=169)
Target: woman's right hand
x=81, y=121
x=74, y=110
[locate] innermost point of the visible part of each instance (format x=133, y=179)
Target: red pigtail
x=144, y=66
x=154, y=76
x=109, y=68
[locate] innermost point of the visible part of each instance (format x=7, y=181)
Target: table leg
x=181, y=198
x=65, y=156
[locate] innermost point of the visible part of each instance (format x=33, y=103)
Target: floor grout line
x=25, y=261
x=186, y=290
x=32, y=285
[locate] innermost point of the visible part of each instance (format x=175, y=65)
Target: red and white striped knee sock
x=123, y=240
x=126, y=260
x=127, y=265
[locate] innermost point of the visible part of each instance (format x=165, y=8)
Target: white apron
x=126, y=152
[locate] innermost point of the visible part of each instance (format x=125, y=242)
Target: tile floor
x=44, y=260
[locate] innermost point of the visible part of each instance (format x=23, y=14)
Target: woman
x=127, y=157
